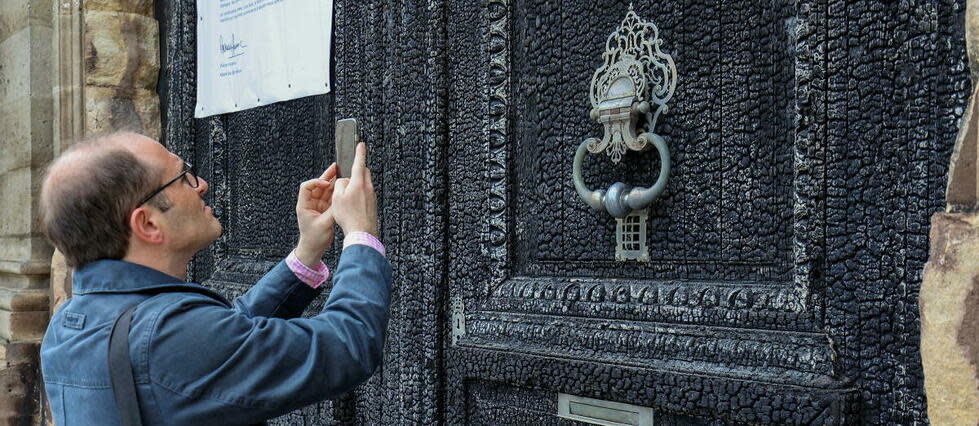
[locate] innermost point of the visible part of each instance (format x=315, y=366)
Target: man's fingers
x=326, y=219
x=340, y=186
x=323, y=196
x=330, y=173
x=306, y=193
x=323, y=189
x=360, y=163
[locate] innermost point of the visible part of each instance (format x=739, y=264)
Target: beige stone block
x=20, y=385
x=42, y=60
x=42, y=136
x=19, y=353
x=949, y=304
x=19, y=189
x=141, y=7
x=15, y=70
x=22, y=282
x=962, y=191
x=25, y=99
x=14, y=16
x=24, y=254
x=15, y=196
x=121, y=50
x=14, y=248
x=37, y=180
x=23, y=326
x=60, y=280
x=23, y=300
x=972, y=36
x=109, y=109
x=42, y=12
x=15, y=120
x=25, y=267
x=27, y=134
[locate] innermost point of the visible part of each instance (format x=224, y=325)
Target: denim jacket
x=199, y=359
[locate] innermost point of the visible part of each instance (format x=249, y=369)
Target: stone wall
x=121, y=63
x=26, y=146
x=68, y=69
x=107, y=63
x=950, y=320
x=949, y=298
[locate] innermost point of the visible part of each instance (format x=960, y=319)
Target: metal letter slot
x=599, y=412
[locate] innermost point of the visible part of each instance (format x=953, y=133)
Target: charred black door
x=725, y=320
x=810, y=142
x=254, y=160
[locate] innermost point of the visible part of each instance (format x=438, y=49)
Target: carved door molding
x=684, y=342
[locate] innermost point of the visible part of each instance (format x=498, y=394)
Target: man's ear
x=145, y=225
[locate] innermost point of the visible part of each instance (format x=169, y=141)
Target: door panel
x=726, y=302
x=254, y=161
x=728, y=214
x=809, y=140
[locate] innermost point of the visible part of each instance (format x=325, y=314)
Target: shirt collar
x=118, y=276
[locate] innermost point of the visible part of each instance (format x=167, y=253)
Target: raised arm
x=238, y=369
x=286, y=290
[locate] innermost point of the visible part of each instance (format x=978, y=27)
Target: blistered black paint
x=810, y=144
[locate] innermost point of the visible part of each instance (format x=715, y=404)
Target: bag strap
x=121, y=370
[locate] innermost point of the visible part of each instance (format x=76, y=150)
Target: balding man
x=128, y=215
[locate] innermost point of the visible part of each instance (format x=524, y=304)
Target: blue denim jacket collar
x=119, y=276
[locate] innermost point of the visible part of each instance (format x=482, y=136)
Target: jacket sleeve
x=220, y=365
x=279, y=294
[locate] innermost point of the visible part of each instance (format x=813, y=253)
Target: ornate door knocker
x=628, y=94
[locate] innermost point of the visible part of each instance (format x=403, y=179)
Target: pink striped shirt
x=320, y=273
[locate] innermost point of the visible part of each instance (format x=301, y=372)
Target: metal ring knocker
x=628, y=94
x=621, y=199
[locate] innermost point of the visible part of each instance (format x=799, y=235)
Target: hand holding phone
x=354, y=203
x=347, y=136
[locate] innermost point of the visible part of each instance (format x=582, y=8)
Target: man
x=129, y=215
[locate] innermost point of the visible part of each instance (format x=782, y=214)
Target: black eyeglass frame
x=187, y=170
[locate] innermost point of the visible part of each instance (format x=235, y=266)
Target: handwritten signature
x=235, y=47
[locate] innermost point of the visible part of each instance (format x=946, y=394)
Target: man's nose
x=202, y=188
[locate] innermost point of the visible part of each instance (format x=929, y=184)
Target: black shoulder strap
x=121, y=370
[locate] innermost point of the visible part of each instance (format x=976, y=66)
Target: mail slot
x=600, y=412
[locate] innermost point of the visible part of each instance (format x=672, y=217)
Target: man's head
x=91, y=202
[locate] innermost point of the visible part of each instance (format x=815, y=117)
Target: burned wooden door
x=724, y=319
x=783, y=254
x=809, y=143
x=254, y=160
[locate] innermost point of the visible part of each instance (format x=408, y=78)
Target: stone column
x=121, y=65
x=949, y=303
x=25, y=117
x=949, y=297
x=106, y=63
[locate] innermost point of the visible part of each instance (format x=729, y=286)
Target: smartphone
x=347, y=139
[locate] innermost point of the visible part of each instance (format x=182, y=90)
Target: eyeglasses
x=189, y=177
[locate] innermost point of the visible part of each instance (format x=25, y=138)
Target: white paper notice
x=257, y=52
